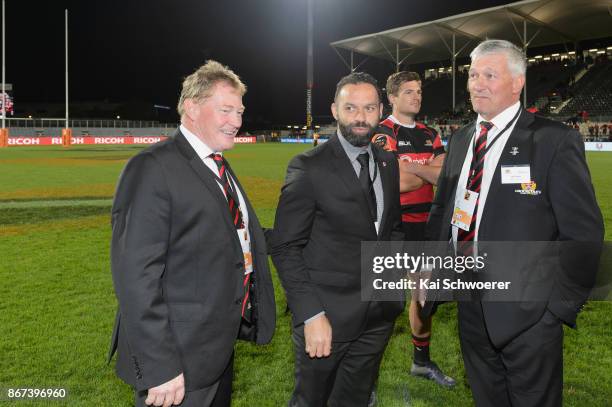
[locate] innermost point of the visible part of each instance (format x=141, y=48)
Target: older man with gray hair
x=513, y=350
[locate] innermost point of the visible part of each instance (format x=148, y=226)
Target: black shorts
x=414, y=231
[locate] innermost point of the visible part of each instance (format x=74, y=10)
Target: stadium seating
x=437, y=94
x=548, y=78
x=593, y=92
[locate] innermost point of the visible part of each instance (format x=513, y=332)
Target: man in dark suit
x=335, y=196
x=189, y=258
x=520, y=178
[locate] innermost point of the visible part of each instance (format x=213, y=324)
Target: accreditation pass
x=464, y=209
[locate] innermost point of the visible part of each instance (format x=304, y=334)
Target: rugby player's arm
x=430, y=172
x=407, y=179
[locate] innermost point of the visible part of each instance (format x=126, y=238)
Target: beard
x=358, y=140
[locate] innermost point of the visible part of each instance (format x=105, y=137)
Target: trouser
x=527, y=372
x=414, y=231
x=347, y=376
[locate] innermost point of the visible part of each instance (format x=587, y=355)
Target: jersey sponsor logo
x=403, y=143
x=407, y=157
x=428, y=143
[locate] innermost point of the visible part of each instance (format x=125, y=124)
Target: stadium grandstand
x=568, y=44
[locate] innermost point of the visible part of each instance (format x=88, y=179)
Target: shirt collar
x=351, y=150
x=501, y=120
x=396, y=121
x=198, y=145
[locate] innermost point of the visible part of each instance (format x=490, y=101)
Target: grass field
x=57, y=302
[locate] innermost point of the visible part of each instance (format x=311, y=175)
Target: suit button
x=238, y=302
x=139, y=376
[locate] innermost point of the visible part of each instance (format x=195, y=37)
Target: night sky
x=139, y=51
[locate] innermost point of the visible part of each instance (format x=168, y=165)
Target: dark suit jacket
x=564, y=211
x=321, y=219
x=178, y=268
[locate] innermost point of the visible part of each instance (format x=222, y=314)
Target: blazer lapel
x=344, y=169
x=460, y=142
x=462, y=145
x=207, y=178
x=521, y=139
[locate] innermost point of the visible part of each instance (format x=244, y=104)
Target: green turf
x=57, y=301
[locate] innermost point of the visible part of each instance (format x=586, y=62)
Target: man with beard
x=335, y=196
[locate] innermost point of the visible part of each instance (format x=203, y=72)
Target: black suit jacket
x=178, y=268
x=566, y=211
x=321, y=219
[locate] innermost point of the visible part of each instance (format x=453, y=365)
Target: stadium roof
x=530, y=23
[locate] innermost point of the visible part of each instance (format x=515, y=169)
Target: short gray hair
x=514, y=55
x=199, y=84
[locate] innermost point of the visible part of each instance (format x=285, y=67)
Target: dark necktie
x=236, y=215
x=473, y=184
x=366, y=183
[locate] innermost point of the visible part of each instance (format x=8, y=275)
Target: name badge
x=245, y=243
x=464, y=209
x=515, y=174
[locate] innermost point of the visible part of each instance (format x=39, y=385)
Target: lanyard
x=489, y=145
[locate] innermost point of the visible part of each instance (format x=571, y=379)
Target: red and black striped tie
x=234, y=207
x=465, y=237
x=236, y=215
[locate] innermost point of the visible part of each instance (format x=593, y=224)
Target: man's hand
x=167, y=394
x=318, y=337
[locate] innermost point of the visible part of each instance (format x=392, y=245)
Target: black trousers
x=347, y=376
x=218, y=394
x=527, y=372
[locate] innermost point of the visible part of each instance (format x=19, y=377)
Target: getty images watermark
x=486, y=271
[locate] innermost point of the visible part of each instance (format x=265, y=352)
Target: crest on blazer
x=528, y=188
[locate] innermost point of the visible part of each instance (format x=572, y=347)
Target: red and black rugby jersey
x=420, y=144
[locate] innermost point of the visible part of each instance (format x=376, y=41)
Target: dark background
x=128, y=55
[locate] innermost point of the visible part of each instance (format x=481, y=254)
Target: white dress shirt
x=204, y=153
x=491, y=159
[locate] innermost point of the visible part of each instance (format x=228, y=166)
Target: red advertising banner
x=245, y=139
x=107, y=140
